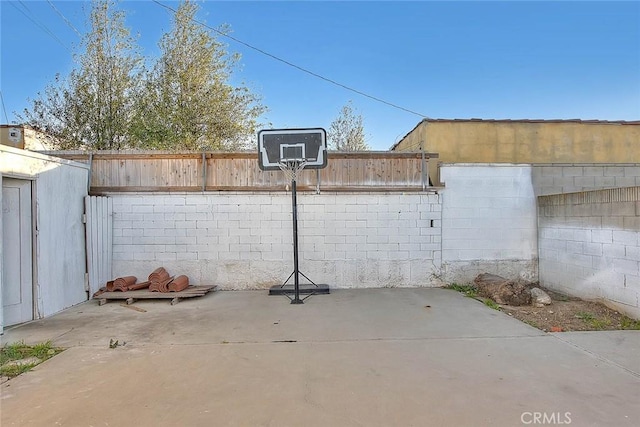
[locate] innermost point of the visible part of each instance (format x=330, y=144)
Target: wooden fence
x=137, y=171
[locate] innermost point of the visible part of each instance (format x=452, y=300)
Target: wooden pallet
x=175, y=297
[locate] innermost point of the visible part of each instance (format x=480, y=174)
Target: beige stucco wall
x=12, y=136
x=464, y=141
x=19, y=136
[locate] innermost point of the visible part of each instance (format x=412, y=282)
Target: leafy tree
x=188, y=103
x=92, y=108
x=346, y=132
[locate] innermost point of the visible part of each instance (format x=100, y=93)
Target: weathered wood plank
x=190, y=292
x=152, y=171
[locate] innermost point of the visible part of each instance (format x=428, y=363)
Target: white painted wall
x=60, y=186
x=488, y=221
x=590, y=246
x=242, y=241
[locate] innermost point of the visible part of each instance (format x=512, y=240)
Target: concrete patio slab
x=621, y=347
x=356, y=357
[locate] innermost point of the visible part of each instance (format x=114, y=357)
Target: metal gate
x=99, y=240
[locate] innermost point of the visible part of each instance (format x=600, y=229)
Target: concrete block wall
x=589, y=245
x=488, y=222
x=571, y=178
x=244, y=241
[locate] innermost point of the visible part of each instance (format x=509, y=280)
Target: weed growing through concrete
x=595, y=323
x=492, y=304
x=20, y=351
x=629, y=323
x=468, y=290
x=532, y=323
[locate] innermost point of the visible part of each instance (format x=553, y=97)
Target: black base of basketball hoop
x=291, y=151
x=302, y=289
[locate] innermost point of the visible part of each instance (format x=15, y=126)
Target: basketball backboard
x=276, y=146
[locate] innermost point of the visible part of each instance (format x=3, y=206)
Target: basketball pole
x=294, y=210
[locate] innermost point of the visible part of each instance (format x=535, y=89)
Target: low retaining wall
x=590, y=245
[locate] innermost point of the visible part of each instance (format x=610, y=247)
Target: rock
x=540, y=298
x=22, y=362
x=501, y=290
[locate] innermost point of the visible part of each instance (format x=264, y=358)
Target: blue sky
x=491, y=60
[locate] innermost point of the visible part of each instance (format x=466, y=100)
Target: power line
x=64, y=18
x=37, y=24
x=4, y=109
x=305, y=70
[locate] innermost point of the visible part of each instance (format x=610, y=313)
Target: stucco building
x=525, y=141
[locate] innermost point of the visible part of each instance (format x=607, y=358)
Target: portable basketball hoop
x=291, y=151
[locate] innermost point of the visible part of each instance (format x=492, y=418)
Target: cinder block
x=229, y=256
x=313, y=256
x=562, y=183
x=632, y=171
x=123, y=224
x=613, y=171
x=625, y=181
x=624, y=209
x=594, y=249
x=122, y=240
x=626, y=266
x=346, y=247
x=186, y=256
x=632, y=222
x=122, y=256
x=184, y=240
x=173, y=200
x=272, y=255
x=142, y=208
x=200, y=216
x=613, y=251
x=572, y=171
x=632, y=253
x=164, y=240
x=136, y=232
x=602, y=236
x=251, y=255
x=624, y=296
x=593, y=171
x=178, y=231
x=584, y=182
x=153, y=232
x=574, y=247
x=605, y=182
x=165, y=256
x=628, y=238
x=143, y=256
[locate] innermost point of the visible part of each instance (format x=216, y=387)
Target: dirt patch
x=571, y=314
x=564, y=314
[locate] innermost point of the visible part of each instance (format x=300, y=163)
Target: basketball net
x=291, y=167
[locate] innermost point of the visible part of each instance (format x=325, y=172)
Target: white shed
x=42, y=250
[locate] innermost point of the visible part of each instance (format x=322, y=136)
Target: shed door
x=17, y=286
